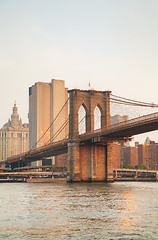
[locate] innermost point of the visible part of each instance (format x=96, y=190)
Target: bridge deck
x=128, y=128
x=125, y=129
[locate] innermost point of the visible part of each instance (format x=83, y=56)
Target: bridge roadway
x=119, y=131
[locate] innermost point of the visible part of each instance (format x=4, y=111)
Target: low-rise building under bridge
x=89, y=154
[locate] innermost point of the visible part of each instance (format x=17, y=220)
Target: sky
x=110, y=43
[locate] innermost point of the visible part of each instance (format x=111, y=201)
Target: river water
x=120, y=210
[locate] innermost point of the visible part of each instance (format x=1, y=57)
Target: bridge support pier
x=90, y=162
x=109, y=163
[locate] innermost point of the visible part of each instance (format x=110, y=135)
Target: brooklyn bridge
x=89, y=155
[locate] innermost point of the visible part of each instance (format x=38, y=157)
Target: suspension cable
x=125, y=101
x=135, y=101
x=58, y=131
x=81, y=120
x=50, y=125
x=132, y=103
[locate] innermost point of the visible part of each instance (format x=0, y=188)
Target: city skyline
x=112, y=45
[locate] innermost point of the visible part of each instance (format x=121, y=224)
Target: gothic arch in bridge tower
x=97, y=117
x=89, y=100
x=88, y=160
x=82, y=113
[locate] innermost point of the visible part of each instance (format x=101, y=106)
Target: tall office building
x=45, y=102
x=14, y=136
x=148, y=155
x=131, y=156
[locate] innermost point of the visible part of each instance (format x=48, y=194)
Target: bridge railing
x=133, y=121
x=46, y=147
x=144, y=118
x=138, y=120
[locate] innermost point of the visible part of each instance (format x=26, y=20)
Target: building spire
x=15, y=116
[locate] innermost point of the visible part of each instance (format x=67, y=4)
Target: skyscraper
x=45, y=102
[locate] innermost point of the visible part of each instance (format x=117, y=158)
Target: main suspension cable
x=62, y=127
x=49, y=125
x=125, y=101
x=134, y=101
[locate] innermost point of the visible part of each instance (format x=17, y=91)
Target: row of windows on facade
x=19, y=135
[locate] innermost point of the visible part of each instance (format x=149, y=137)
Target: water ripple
x=126, y=210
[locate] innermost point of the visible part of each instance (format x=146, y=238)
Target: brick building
x=132, y=153
x=153, y=156
x=148, y=155
x=129, y=155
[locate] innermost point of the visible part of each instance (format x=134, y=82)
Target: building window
x=30, y=91
x=11, y=134
x=19, y=135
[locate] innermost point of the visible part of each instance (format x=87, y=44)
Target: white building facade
x=14, y=136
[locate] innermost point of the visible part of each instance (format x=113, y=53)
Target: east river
x=120, y=210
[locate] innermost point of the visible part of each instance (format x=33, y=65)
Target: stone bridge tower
x=92, y=160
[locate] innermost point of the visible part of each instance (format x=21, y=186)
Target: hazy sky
x=111, y=43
